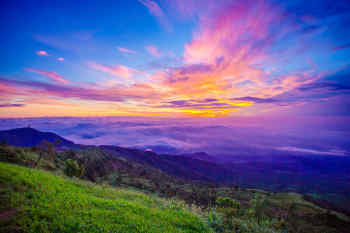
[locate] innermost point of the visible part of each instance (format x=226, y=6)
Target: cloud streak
x=155, y=10
x=117, y=70
x=124, y=50
x=11, y=105
x=346, y=46
x=52, y=75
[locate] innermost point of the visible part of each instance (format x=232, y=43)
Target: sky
x=177, y=76
x=174, y=58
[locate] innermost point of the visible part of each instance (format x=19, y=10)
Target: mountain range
x=323, y=177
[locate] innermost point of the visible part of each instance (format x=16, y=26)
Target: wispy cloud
x=60, y=59
x=345, y=46
x=153, y=50
x=42, y=53
x=156, y=11
x=256, y=100
x=124, y=50
x=52, y=75
x=11, y=105
x=27, y=89
x=117, y=70
x=313, y=151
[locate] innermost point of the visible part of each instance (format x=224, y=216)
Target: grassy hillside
x=37, y=201
x=33, y=200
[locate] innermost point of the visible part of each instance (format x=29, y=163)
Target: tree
x=118, y=179
x=227, y=202
x=40, y=155
x=3, y=142
x=74, y=169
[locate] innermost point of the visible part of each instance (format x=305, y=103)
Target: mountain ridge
x=29, y=137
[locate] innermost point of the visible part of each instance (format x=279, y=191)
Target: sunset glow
x=174, y=58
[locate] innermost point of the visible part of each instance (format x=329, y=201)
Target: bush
x=3, y=143
x=227, y=202
x=176, y=204
x=252, y=226
x=214, y=220
x=73, y=169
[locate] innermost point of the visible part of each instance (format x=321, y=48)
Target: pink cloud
x=60, y=59
x=156, y=11
x=124, y=50
x=42, y=53
x=118, y=70
x=153, y=50
x=52, y=75
x=30, y=89
x=233, y=33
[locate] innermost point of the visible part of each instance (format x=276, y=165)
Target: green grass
x=38, y=201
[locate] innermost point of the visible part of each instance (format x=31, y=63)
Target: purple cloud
x=346, y=46
x=256, y=100
x=11, y=105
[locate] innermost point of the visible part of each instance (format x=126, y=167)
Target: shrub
x=73, y=169
x=251, y=225
x=3, y=143
x=214, y=220
x=227, y=202
x=176, y=204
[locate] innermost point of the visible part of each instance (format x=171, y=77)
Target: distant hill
x=201, y=156
x=180, y=166
x=28, y=137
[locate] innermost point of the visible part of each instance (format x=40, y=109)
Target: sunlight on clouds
x=239, y=60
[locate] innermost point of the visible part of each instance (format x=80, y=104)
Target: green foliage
x=214, y=220
x=227, y=202
x=47, y=203
x=250, y=225
x=18, y=155
x=49, y=150
x=73, y=169
x=176, y=204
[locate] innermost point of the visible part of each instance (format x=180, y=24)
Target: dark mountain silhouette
x=179, y=166
x=28, y=137
x=201, y=156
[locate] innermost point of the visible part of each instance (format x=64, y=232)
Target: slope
x=37, y=201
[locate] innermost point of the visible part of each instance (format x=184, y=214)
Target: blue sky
x=166, y=58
